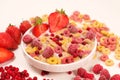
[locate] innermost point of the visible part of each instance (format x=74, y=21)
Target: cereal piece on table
x=100, y=48
x=45, y=18
x=105, y=33
x=117, y=56
x=112, y=47
x=109, y=62
x=117, y=50
x=104, y=57
x=106, y=51
x=112, y=40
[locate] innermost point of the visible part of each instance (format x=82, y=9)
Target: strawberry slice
x=7, y=41
x=14, y=33
x=39, y=28
x=5, y=55
x=58, y=20
x=24, y=26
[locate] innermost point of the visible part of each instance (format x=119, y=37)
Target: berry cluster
x=13, y=73
x=97, y=69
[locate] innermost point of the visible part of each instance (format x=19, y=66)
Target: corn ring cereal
x=105, y=33
x=117, y=56
x=106, y=51
x=53, y=60
x=100, y=48
x=117, y=50
x=104, y=57
x=109, y=62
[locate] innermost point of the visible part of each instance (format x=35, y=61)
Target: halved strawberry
x=24, y=26
x=58, y=20
x=5, y=55
x=6, y=41
x=39, y=28
x=14, y=33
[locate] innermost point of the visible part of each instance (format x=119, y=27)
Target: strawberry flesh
x=57, y=21
x=5, y=55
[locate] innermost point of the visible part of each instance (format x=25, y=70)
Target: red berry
x=102, y=77
x=97, y=68
x=27, y=38
x=48, y=52
x=77, y=78
x=115, y=77
x=89, y=75
x=81, y=72
x=106, y=73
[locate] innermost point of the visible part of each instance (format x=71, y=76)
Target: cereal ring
x=112, y=40
x=109, y=62
x=53, y=60
x=105, y=33
x=112, y=47
x=118, y=45
x=106, y=51
x=117, y=51
x=100, y=48
x=117, y=56
x=104, y=57
x=67, y=60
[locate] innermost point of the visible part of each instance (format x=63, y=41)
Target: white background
x=14, y=11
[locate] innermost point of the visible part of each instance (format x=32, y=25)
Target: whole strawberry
x=6, y=41
x=58, y=20
x=24, y=26
x=14, y=33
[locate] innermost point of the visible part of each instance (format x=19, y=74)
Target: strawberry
x=58, y=20
x=5, y=55
x=39, y=28
x=24, y=26
x=14, y=33
x=7, y=41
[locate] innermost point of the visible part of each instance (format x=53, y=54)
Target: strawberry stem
x=38, y=20
x=61, y=11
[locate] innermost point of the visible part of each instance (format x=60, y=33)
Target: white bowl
x=61, y=67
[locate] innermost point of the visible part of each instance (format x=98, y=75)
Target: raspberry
x=77, y=78
x=90, y=35
x=81, y=72
x=102, y=77
x=115, y=77
x=106, y=73
x=72, y=29
x=36, y=43
x=27, y=39
x=89, y=75
x=97, y=68
x=72, y=49
x=48, y=52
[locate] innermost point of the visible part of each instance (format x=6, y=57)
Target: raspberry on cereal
x=81, y=72
x=90, y=35
x=48, y=52
x=97, y=68
x=106, y=73
x=115, y=77
x=72, y=29
x=27, y=38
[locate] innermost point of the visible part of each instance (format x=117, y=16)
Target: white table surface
x=14, y=11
